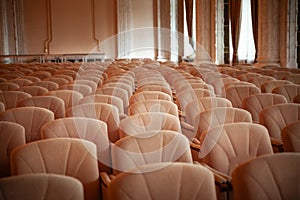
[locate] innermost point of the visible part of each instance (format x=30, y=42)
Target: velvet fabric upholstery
x=278, y=116
x=103, y=98
x=150, y=147
x=197, y=106
x=270, y=85
x=6, y=86
x=291, y=137
x=70, y=97
x=89, y=129
x=268, y=177
x=102, y=111
x=149, y=95
x=237, y=94
x=31, y=118
x=143, y=122
x=118, y=92
x=186, y=96
x=164, y=181
x=49, y=85
x=12, y=98
x=257, y=102
x=52, y=103
x=40, y=186
x=85, y=90
x=65, y=156
x=11, y=136
x=227, y=146
x=21, y=81
x=288, y=91
x=153, y=87
x=34, y=90
x=153, y=106
x=259, y=80
x=211, y=118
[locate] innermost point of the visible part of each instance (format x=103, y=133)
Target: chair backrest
x=31, y=118
x=149, y=95
x=70, y=97
x=270, y=85
x=248, y=76
x=291, y=137
x=124, y=86
x=257, y=102
x=237, y=94
x=85, y=90
x=211, y=118
x=268, y=177
x=278, y=116
x=118, y=92
x=33, y=79
x=21, y=81
x=52, y=103
x=103, y=98
x=259, y=80
x=153, y=106
x=197, y=106
x=7, y=86
x=12, y=98
x=155, y=88
x=149, y=121
x=228, y=145
x=2, y=106
x=87, y=82
x=220, y=83
x=162, y=180
x=84, y=128
x=66, y=156
x=41, y=74
x=34, y=90
x=288, y=91
x=67, y=77
x=184, y=97
x=50, y=186
x=59, y=81
x=195, y=86
x=49, y=85
x=296, y=99
x=11, y=136
x=295, y=78
x=102, y=111
x=150, y=147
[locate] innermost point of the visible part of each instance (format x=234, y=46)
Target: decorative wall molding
x=94, y=25
x=49, y=28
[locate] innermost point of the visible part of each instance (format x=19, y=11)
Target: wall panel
x=72, y=27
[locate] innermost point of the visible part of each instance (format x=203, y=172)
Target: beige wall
x=67, y=26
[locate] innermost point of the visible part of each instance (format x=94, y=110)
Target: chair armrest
x=105, y=179
x=224, y=176
x=277, y=144
x=223, y=181
x=122, y=116
x=187, y=126
x=195, y=146
x=182, y=116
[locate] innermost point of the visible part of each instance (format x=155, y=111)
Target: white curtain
x=246, y=46
x=246, y=50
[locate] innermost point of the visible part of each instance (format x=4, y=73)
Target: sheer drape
x=235, y=20
x=246, y=47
